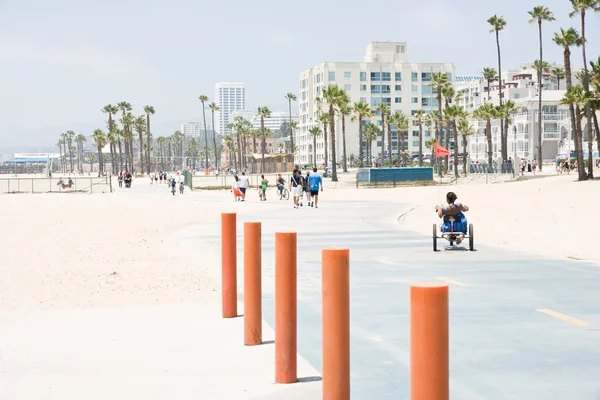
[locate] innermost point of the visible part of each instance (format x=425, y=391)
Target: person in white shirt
x=244, y=185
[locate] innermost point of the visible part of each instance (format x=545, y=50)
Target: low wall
x=376, y=175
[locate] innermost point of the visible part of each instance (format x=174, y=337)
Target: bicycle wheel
x=286, y=194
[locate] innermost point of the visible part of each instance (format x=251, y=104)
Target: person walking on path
x=263, y=188
x=296, y=186
x=315, y=182
x=306, y=188
x=243, y=185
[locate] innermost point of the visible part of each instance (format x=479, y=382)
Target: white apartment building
x=229, y=96
x=273, y=123
x=519, y=86
x=385, y=76
x=192, y=129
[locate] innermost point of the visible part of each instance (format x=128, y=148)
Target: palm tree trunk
x=141, y=137
x=325, y=142
x=215, y=141
x=420, y=145
x=540, y=86
x=488, y=134
x=291, y=130
x=439, y=126
x=489, y=93
x=148, y=144
x=588, y=110
x=382, y=140
x=465, y=155
x=333, y=149
x=263, y=144
x=315, y=150
x=206, y=136
x=579, y=146
x=344, y=142
x=558, y=83
x=597, y=128
x=120, y=156
x=389, y=145
x=447, y=146
x=360, y=145
x=455, y=149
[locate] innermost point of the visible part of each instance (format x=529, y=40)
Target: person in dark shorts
x=315, y=183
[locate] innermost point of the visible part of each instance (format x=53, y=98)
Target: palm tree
x=361, y=110
x=343, y=110
x=452, y=114
x=291, y=97
x=70, y=138
x=498, y=24
x=263, y=112
x=59, y=144
x=384, y=110
x=203, y=99
x=334, y=97
x=580, y=7
x=489, y=74
x=80, y=139
x=213, y=108
x=433, y=120
x=315, y=131
x=324, y=119
x=178, y=138
x=567, y=39
x=111, y=110
x=371, y=132
x=149, y=110
x=99, y=141
x=465, y=129
x=577, y=98
x=507, y=110
x=420, y=117
x=486, y=113
x=139, y=124
x=559, y=74
x=439, y=81
x=540, y=14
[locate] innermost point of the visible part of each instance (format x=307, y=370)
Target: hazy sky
x=62, y=60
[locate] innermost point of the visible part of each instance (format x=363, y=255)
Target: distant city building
x=192, y=129
x=275, y=121
x=385, y=76
x=246, y=114
x=230, y=97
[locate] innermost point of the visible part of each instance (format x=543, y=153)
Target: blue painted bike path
x=501, y=347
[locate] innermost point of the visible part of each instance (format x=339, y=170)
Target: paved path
x=501, y=347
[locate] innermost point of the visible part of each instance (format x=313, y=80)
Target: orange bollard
x=228, y=265
x=252, y=284
x=285, y=308
x=429, y=359
x=336, y=324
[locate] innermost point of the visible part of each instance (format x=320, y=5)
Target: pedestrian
x=296, y=186
x=315, y=182
x=306, y=188
x=244, y=185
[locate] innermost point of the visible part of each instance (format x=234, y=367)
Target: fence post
x=252, y=284
x=228, y=265
x=429, y=359
x=336, y=323
x=91, y=186
x=285, y=308
x=31, y=185
x=18, y=185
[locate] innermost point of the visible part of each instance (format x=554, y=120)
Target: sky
x=61, y=61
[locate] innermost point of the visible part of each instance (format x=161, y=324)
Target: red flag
x=440, y=151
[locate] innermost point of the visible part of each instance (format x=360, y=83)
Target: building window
x=387, y=100
x=516, y=96
x=413, y=112
x=347, y=86
x=427, y=90
x=398, y=76
x=375, y=76
x=386, y=76
x=363, y=99
x=415, y=133
x=347, y=74
x=414, y=76
x=414, y=88
x=363, y=87
x=397, y=100
x=385, y=89
x=363, y=76
x=375, y=88
x=415, y=143
x=398, y=88
x=375, y=101
x=414, y=100
x=331, y=76
x=449, y=75
x=426, y=76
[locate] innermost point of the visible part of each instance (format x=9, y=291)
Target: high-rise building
x=385, y=76
x=192, y=129
x=229, y=96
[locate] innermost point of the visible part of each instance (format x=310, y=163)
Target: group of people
x=565, y=166
x=125, y=176
x=308, y=185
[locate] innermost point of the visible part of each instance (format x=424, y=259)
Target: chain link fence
x=73, y=184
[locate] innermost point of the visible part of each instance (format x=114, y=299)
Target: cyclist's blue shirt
x=314, y=180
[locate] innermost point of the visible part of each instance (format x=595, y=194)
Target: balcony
x=551, y=135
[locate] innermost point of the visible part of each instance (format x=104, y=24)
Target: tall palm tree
x=361, y=110
x=506, y=111
x=333, y=95
x=59, y=144
x=293, y=126
x=263, y=112
x=325, y=120
x=433, y=121
x=344, y=110
x=420, y=118
x=487, y=112
x=595, y=102
x=149, y=110
x=111, y=110
x=70, y=138
x=499, y=23
x=567, y=39
x=204, y=99
x=579, y=8
x=139, y=124
x=402, y=127
x=393, y=119
x=454, y=113
x=489, y=74
x=80, y=139
x=213, y=108
x=578, y=98
x=439, y=81
x=99, y=141
x=371, y=132
x=126, y=121
x=559, y=74
x=384, y=110
x=465, y=129
x=540, y=14
x=291, y=97
x=315, y=131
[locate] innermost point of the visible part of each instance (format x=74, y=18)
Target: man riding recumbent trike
x=454, y=227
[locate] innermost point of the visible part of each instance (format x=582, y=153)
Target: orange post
x=228, y=265
x=285, y=308
x=429, y=360
x=336, y=324
x=252, y=284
